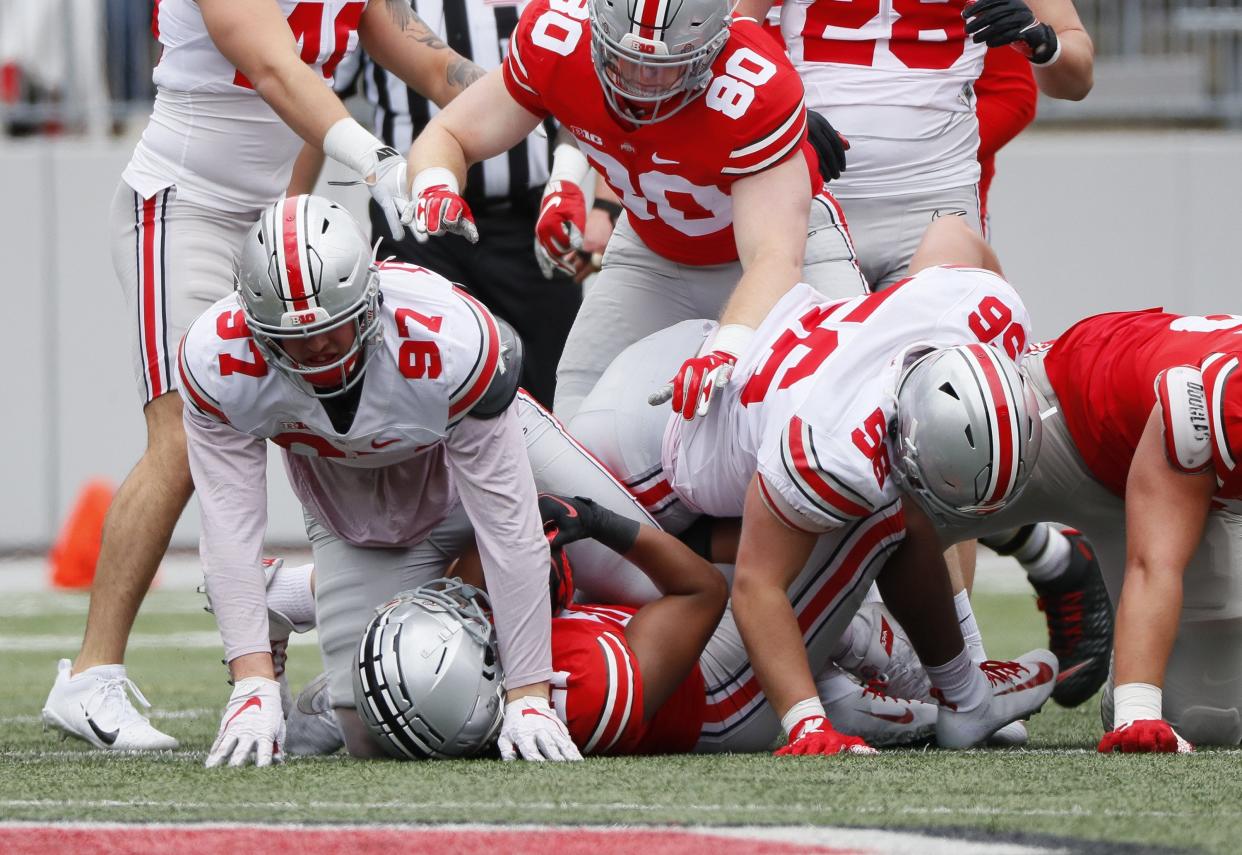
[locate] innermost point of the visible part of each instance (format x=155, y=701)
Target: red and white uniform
x=809, y=404
x=673, y=176
x=1109, y=372
x=210, y=134
x=895, y=78
x=597, y=688
x=410, y=455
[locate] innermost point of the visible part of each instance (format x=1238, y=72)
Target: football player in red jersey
x=1142, y=413
x=697, y=124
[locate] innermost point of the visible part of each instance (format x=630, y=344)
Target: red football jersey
x=673, y=176
x=598, y=688
x=1109, y=372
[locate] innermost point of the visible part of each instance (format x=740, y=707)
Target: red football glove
x=698, y=378
x=1145, y=736
x=558, y=232
x=437, y=210
x=814, y=735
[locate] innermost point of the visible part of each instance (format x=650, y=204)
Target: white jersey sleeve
x=497, y=489
x=230, y=475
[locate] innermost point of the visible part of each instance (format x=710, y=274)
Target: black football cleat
x=1080, y=624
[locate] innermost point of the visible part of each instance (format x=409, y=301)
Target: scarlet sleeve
x=1184, y=419
x=493, y=477
x=1005, y=99
x=774, y=126
x=525, y=63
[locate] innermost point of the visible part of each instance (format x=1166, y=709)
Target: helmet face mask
x=967, y=432
x=428, y=681
x=653, y=57
x=306, y=270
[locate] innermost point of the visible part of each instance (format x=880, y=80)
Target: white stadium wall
x=1083, y=223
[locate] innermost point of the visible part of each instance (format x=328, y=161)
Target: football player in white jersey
x=239, y=85
x=799, y=448
x=896, y=78
x=390, y=391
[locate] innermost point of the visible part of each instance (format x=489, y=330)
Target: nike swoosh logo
x=536, y=712
x=1071, y=671
x=896, y=719
x=251, y=702
x=375, y=443
x=655, y=158
x=104, y=736
x=1042, y=676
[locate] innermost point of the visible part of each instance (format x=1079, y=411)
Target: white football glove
x=253, y=725
x=378, y=166
x=532, y=729
x=387, y=186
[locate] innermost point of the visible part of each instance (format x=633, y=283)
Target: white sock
x=960, y=681
x=832, y=685
x=290, y=593
x=970, y=628
x=1045, y=557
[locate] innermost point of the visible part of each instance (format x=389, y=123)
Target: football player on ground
x=239, y=85
x=799, y=449
x=1141, y=417
x=390, y=392
x=896, y=77
x=626, y=680
x=698, y=126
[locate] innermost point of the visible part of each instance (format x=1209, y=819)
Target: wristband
x=732, y=338
x=431, y=177
x=569, y=164
x=613, y=209
x=1135, y=702
x=350, y=143
x=802, y=709
x=615, y=531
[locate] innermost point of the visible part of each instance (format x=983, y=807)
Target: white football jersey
x=810, y=401
x=211, y=134
x=896, y=78
x=438, y=351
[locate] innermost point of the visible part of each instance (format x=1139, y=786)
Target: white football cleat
x=882, y=720
x=93, y=706
x=1018, y=689
x=880, y=652
x=311, y=727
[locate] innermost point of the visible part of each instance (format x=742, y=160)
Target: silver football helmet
x=305, y=269
x=967, y=431
x=428, y=682
x=648, y=52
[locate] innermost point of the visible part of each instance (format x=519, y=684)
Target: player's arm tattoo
x=413, y=26
x=462, y=73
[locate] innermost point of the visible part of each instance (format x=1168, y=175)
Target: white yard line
x=70, y=643
x=637, y=807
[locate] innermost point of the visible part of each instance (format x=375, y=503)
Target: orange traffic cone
x=75, y=552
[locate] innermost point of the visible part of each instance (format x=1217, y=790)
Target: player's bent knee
x=1208, y=725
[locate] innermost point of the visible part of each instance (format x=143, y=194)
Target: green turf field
x=1057, y=786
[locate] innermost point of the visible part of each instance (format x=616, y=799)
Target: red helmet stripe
x=649, y=17
x=298, y=290
x=1005, y=472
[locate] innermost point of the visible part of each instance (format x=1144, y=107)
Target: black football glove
x=566, y=520
x=1011, y=22
x=830, y=146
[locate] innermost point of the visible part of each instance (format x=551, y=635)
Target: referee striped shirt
x=478, y=30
